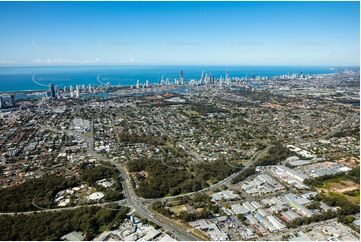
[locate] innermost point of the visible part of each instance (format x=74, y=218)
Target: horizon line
x=186, y=65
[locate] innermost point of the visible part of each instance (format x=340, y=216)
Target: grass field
x=353, y=196
x=191, y=113
x=339, y=184
x=342, y=187
x=178, y=209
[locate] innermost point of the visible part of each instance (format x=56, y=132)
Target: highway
x=132, y=199
x=140, y=204
x=137, y=204
x=142, y=209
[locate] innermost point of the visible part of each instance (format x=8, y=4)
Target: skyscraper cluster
x=11, y=104
x=54, y=92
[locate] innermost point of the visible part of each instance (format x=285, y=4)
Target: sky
x=186, y=33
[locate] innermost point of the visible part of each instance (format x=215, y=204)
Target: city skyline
x=180, y=121
x=180, y=33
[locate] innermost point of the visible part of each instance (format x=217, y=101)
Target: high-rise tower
x=52, y=90
x=12, y=100
x=181, y=78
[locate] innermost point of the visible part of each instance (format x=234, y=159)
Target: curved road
x=138, y=203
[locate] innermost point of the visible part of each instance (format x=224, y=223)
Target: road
x=140, y=204
x=142, y=209
x=132, y=199
x=137, y=202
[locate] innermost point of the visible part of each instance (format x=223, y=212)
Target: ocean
x=13, y=79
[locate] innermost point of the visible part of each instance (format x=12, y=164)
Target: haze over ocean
x=71, y=43
x=21, y=78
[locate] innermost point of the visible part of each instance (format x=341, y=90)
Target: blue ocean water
x=38, y=78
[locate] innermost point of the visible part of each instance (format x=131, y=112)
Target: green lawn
x=353, y=196
x=178, y=209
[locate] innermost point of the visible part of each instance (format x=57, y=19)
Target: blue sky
x=187, y=33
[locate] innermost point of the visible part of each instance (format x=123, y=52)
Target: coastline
x=126, y=76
